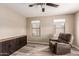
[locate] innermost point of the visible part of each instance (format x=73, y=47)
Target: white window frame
x=63, y=21
x=35, y=22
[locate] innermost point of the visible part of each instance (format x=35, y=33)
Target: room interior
x=28, y=31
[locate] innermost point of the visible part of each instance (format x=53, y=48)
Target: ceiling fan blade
x=51, y=4
x=30, y=5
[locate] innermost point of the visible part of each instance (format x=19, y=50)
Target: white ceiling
x=23, y=9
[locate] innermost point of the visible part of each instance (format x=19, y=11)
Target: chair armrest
x=53, y=40
x=61, y=43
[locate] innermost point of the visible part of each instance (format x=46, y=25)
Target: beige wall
x=76, y=41
x=47, y=28
x=11, y=23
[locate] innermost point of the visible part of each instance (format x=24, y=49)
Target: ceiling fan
x=44, y=4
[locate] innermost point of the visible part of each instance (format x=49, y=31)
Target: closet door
x=23, y=41
x=5, y=48
x=12, y=46
x=0, y=48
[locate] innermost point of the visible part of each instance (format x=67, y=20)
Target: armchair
x=62, y=45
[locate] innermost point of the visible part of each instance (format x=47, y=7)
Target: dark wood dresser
x=10, y=45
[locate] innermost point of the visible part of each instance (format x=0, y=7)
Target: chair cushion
x=67, y=37
x=64, y=37
x=61, y=37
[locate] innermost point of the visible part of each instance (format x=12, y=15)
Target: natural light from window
x=35, y=28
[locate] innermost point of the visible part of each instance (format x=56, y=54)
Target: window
x=59, y=25
x=35, y=27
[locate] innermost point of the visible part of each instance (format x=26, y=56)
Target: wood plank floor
x=40, y=50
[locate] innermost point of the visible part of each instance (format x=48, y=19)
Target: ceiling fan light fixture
x=30, y=5
x=43, y=5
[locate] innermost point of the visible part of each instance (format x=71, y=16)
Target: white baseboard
x=38, y=42
x=75, y=47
